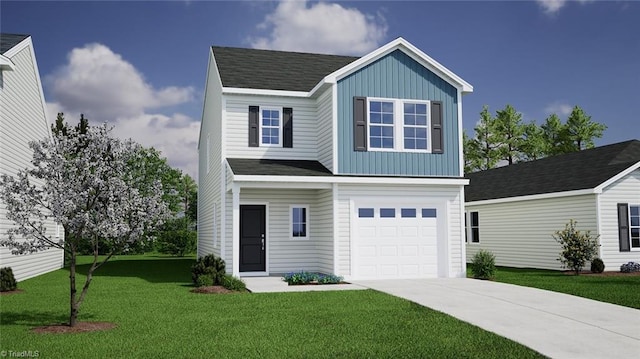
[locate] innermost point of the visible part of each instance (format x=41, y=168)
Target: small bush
x=204, y=280
x=177, y=242
x=232, y=283
x=7, y=280
x=597, y=265
x=302, y=278
x=329, y=279
x=578, y=247
x=209, y=265
x=630, y=267
x=483, y=265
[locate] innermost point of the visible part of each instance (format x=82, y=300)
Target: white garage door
x=395, y=242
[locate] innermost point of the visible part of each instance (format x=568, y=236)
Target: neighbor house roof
x=264, y=167
x=274, y=70
x=573, y=171
x=8, y=41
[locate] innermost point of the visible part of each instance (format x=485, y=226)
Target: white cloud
x=321, y=28
x=559, y=108
x=106, y=88
x=552, y=7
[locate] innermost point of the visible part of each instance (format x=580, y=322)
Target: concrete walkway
x=277, y=285
x=554, y=324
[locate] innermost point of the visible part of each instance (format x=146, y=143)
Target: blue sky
x=141, y=65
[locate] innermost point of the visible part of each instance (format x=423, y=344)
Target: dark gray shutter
x=437, y=145
x=254, y=129
x=287, y=127
x=360, y=123
x=623, y=227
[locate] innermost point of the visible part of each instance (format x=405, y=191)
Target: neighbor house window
x=474, y=228
x=634, y=226
x=299, y=222
x=398, y=125
x=270, y=126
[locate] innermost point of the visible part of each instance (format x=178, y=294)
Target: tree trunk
x=73, y=316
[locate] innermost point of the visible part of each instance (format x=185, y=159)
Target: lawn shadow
x=161, y=270
x=32, y=318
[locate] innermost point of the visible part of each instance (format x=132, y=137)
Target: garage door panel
x=402, y=247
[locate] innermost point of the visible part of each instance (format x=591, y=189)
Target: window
x=270, y=129
x=429, y=213
x=398, y=125
x=299, y=222
x=634, y=225
x=365, y=212
x=387, y=213
x=475, y=227
x=408, y=213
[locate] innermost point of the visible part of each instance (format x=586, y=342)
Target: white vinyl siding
x=447, y=197
x=625, y=190
x=325, y=129
x=519, y=234
x=210, y=166
x=23, y=119
x=237, y=128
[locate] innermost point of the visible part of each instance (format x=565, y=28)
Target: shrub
x=7, y=280
x=204, y=280
x=630, y=267
x=232, y=283
x=597, y=265
x=208, y=265
x=483, y=265
x=577, y=247
x=177, y=242
x=329, y=279
x=302, y=277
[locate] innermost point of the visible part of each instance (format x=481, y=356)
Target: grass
x=156, y=315
x=621, y=290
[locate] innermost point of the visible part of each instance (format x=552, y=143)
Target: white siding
x=625, y=190
x=237, y=128
x=285, y=254
x=23, y=119
x=520, y=233
x=325, y=129
x=209, y=179
x=448, y=196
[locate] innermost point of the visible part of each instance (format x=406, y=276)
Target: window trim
x=398, y=125
x=280, y=125
x=306, y=222
x=631, y=247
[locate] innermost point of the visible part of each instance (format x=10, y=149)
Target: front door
x=252, y=238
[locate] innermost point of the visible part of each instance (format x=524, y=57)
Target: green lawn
x=148, y=298
x=622, y=290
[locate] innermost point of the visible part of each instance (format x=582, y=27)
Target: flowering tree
x=88, y=187
x=578, y=247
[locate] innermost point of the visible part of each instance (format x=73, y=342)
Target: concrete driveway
x=554, y=324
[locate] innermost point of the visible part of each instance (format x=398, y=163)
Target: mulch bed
x=81, y=327
x=214, y=289
x=12, y=292
x=604, y=274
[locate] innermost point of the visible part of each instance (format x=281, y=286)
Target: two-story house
x=334, y=164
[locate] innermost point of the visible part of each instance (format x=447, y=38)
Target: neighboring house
x=22, y=119
x=513, y=211
x=332, y=164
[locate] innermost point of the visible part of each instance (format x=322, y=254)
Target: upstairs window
x=415, y=126
x=381, y=124
x=270, y=126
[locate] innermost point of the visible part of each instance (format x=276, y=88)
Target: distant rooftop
x=7, y=41
x=275, y=70
x=568, y=172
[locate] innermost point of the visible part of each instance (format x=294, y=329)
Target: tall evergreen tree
x=553, y=136
x=581, y=131
x=484, y=148
x=510, y=131
x=533, y=144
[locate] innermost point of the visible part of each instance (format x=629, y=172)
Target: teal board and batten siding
x=397, y=76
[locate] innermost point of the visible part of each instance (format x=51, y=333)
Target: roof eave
x=6, y=64
x=615, y=178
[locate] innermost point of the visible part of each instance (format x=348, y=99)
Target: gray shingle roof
x=7, y=41
x=274, y=70
x=263, y=167
x=573, y=171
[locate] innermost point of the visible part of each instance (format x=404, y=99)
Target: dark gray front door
x=252, y=238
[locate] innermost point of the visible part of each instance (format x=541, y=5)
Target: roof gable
x=8, y=41
x=585, y=169
x=274, y=70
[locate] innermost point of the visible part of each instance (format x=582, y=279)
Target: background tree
x=553, y=136
x=533, y=144
x=581, y=131
x=89, y=189
x=509, y=129
x=483, y=149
